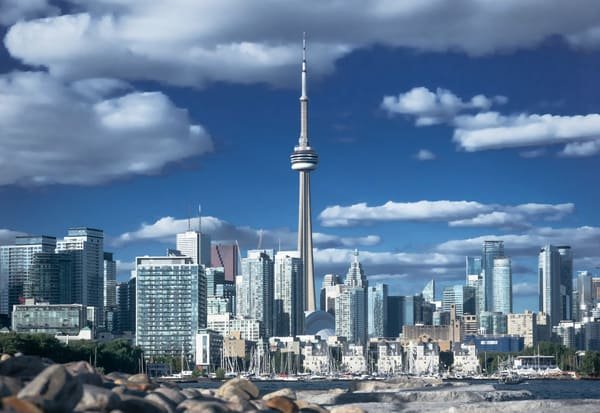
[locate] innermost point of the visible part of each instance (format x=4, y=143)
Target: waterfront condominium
x=502, y=291
x=110, y=280
x=86, y=247
x=288, y=305
x=377, y=304
x=256, y=288
x=490, y=250
x=170, y=305
x=555, y=268
x=15, y=263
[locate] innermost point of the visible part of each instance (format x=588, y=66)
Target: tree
x=590, y=365
x=219, y=374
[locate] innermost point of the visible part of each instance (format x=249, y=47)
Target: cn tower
x=304, y=160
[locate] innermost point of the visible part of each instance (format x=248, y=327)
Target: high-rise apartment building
x=86, y=247
x=226, y=256
x=15, y=263
x=50, y=278
x=585, y=301
x=524, y=325
x=110, y=280
x=555, y=267
x=195, y=245
x=257, y=288
x=170, y=305
x=490, y=251
x=288, y=305
x=377, y=307
x=502, y=285
x=350, y=306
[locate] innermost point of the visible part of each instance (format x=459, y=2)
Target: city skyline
x=410, y=175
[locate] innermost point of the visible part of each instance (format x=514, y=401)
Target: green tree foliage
x=220, y=374
x=590, y=364
x=116, y=355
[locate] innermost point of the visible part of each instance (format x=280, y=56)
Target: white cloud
x=430, y=108
x=581, y=149
x=584, y=240
x=341, y=256
x=457, y=213
x=7, y=236
x=425, y=155
x=524, y=289
x=12, y=11
x=88, y=132
x=166, y=228
x=187, y=42
x=490, y=130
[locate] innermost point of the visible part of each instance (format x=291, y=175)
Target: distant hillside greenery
x=116, y=355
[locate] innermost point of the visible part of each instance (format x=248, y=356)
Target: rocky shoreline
x=31, y=384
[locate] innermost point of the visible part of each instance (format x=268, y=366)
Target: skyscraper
x=462, y=297
x=50, y=278
x=288, y=296
x=566, y=281
x=195, y=245
x=350, y=305
x=490, y=250
x=502, y=291
x=304, y=159
x=226, y=256
x=170, y=305
x=550, y=283
x=377, y=297
x=257, y=284
x=15, y=263
x=110, y=280
x=330, y=288
x=428, y=292
x=86, y=246
x=584, y=289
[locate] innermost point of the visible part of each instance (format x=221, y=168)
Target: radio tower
x=304, y=159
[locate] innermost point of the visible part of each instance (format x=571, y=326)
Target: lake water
x=541, y=389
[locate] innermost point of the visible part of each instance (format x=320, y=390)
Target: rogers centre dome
x=319, y=323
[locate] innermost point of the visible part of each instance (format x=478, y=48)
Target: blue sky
x=436, y=126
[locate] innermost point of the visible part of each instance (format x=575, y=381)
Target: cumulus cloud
x=88, y=132
x=12, y=11
x=166, y=228
x=584, y=240
x=457, y=213
x=187, y=42
x=581, y=149
x=430, y=108
x=7, y=236
x=491, y=130
x=425, y=155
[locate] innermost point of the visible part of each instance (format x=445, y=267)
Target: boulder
x=5, y=357
x=282, y=404
x=347, y=409
x=202, y=406
x=242, y=388
x=97, y=399
x=174, y=395
x=9, y=386
x=84, y=372
x=285, y=392
x=25, y=367
x=134, y=404
x=138, y=379
x=307, y=407
x=116, y=377
x=55, y=389
x=191, y=393
x=14, y=404
x=163, y=401
x=239, y=404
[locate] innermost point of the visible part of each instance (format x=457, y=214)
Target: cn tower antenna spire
x=303, y=141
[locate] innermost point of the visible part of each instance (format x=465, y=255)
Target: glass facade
x=462, y=296
x=490, y=250
x=170, y=305
x=377, y=310
x=64, y=319
x=502, y=298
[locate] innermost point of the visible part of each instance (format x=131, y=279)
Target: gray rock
x=174, y=395
x=97, y=398
x=25, y=367
x=9, y=386
x=117, y=377
x=200, y=406
x=163, y=401
x=54, y=388
x=239, y=404
x=134, y=404
x=242, y=388
x=125, y=391
x=84, y=372
x=138, y=379
x=285, y=392
x=191, y=393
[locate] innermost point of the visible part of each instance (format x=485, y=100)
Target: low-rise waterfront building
x=209, y=347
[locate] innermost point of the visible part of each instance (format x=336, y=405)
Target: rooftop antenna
x=199, y=218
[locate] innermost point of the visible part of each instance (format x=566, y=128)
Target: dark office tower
x=121, y=323
x=15, y=263
x=214, y=276
x=490, y=251
x=131, y=308
x=226, y=256
x=50, y=278
x=394, y=316
x=566, y=281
